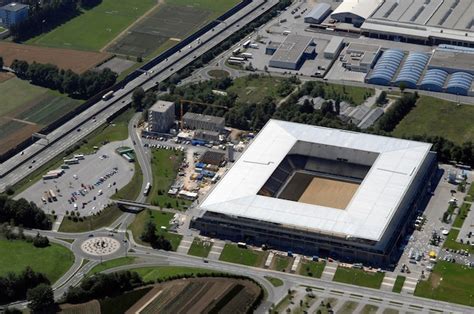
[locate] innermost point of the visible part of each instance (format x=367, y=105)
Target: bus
x=53, y=196
x=147, y=189
x=108, y=95
x=236, y=52
x=72, y=161
x=236, y=59
x=246, y=44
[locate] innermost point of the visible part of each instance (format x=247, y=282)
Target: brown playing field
x=75, y=60
x=329, y=193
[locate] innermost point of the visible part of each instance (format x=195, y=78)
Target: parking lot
x=85, y=187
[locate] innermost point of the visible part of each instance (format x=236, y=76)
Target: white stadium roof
x=368, y=213
x=361, y=8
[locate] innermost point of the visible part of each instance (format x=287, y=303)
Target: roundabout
x=100, y=246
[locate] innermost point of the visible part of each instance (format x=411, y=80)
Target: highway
x=22, y=164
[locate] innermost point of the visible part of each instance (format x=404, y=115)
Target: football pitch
x=27, y=109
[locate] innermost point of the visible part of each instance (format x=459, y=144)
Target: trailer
x=246, y=55
x=146, y=191
x=53, y=196
x=236, y=51
x=237, y=59
x=72, y=161
x=246, y=44
x=108, y=95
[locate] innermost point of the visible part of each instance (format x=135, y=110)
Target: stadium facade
x=321, y=191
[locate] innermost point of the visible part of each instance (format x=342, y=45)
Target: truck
x=147, y=189
x=246, y=44
x=237, y=59
x=108, y=95
x=53, y=196
x=246, y=55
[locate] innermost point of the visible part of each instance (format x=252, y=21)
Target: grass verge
x=398, y=285
x=312, y=269
x=165, y=272
x=463, y=210
x=276, y=282
x=102, y=219
x=111, y=264
x=133, y=189
x=358, y=277
x=200, y=248
x=234, y=254
x=451, y=242
x=160, y=219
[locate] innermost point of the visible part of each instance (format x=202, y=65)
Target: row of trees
x=82, y=86
x=103, y=285
x=397, y=112
x=24, y=213
x=46, y=15
x=14, y=286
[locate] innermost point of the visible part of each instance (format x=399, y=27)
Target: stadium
x=321, y=191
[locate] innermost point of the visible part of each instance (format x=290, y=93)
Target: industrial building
x=161, y=116
x=355, y=11
x=448, y=69
x=205, y=135
x=321, y=191
x=318, y=13
x=204, y=122
x=13, y=13
x=333, y=48
x=293, y=52
x=360, y=57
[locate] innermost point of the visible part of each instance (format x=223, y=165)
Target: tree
x=40, y=298
x=149, y=232
x=40, y=241
x=402, y=86
x=137, y=98
x=382, y=99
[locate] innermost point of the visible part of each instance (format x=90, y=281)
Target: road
x=22, y=164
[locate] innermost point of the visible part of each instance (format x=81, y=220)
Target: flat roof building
x=321, y=191
x=205, y=122
x=161, y=116
x=334, y=47
x=13, y=13
x=360, y=57
x=291, y=53
x=318, y=13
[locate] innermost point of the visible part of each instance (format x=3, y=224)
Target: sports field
x=168, y=24
x=329, y=193
x=77, y=61
x=26, y=108
x=94, y=28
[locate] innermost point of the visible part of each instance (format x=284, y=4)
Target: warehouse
x=292, y=53
x=200, y=121
x=321, y=191
x=355, y=11
x=426, y=22
x=360, y=57
x=334, y=47
x=386, y=67
x=317, y=15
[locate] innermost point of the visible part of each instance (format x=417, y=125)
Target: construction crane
x=183, y=101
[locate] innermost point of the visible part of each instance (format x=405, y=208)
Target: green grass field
x=358, y=277
x=106, y=217
x=353, y=94
x=463, y=210
x=312, y=269
x=219, y=6
x=111, y=264
x=234, y=254
x=450, y=282
x=16, y=92
x=281, y=263
x=104, y=22
x=451, y=242
x=254, y=90
x=433, y=116
x=133, y=189
x=398, y=285
x=160, y=219
x=164, y=272
x=53, y=260
x=274, y=281
x=200, y=248
x=164, y=166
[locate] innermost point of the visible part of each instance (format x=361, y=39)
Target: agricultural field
x=234, y=254
x=450, y=282
x=358, y=277
x=161, y=219
x=197, y=295
x=53, y=260
x=26, y=109
x=120, y=303
x=166, y=25
x=433, y=116
x=105, y=21
x=165, y=164
x=77, y=61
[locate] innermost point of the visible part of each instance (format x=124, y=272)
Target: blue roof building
x=13, y=13
x=386, y=67
x=460, y=83
x=434, y=80
x=412, y=69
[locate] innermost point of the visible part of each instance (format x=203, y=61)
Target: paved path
x=409, y=285
x=185, y=244
x=388, y=282
x=329, y=271
x=216, y=250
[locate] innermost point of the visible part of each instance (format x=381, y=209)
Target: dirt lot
x=329, y=192
x=199, y=295
x=4, y=76
x=92, y=307
x=77, y=61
